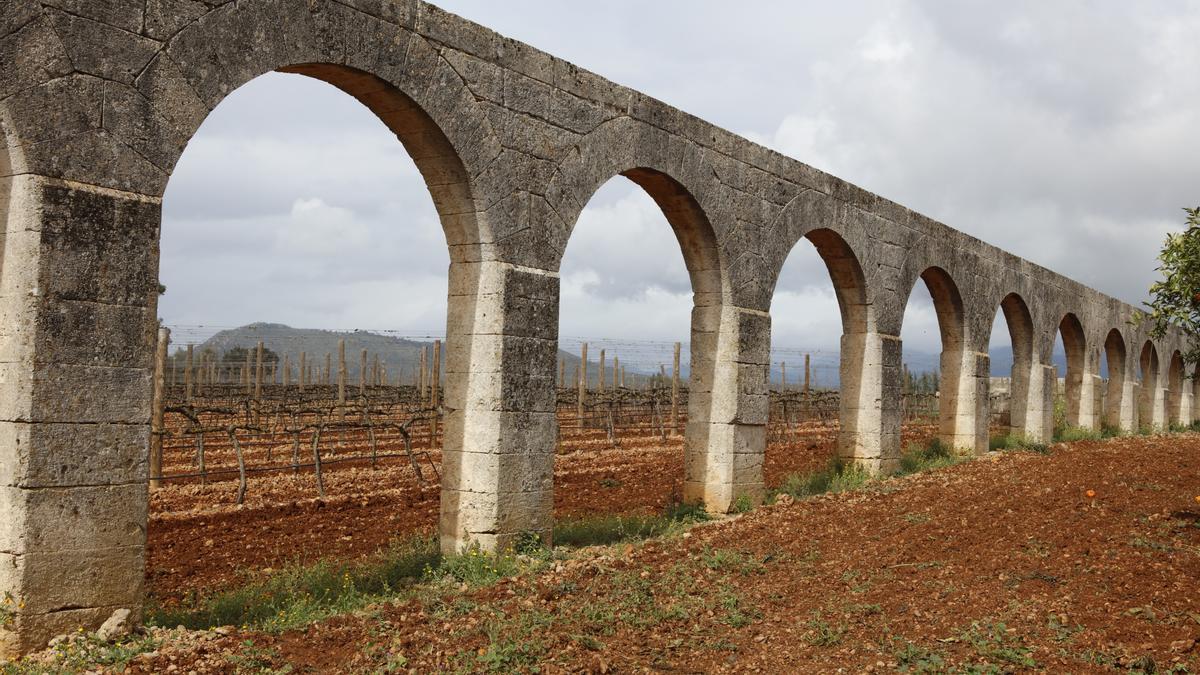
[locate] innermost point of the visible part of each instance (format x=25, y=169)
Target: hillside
x=398, y=355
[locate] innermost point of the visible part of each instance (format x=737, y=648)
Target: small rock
x=57, y=640
x=785, y=500
x=223, y=630
x=1182, y=646
x=115, y=626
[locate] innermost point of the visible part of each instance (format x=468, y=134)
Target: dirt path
x=1084, y=560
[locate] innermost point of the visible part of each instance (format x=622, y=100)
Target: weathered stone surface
x=98, y=99
x=65, y=455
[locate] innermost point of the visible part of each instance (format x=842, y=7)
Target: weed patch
x=838, y=476
x=933, y=456
x=299, y=595
x=1013, y=442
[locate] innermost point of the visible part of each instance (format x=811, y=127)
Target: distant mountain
x=398, y=355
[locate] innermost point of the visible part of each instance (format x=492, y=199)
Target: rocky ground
x=1083, y=560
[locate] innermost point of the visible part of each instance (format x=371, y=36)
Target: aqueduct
x=99, y=99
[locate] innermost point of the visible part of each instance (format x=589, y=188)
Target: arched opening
x=1116, y=417
x=847, y=399
x=1177, y=411
x=623, y=311
x=934, y=360
x=1071, y=344
x=809, y=317
x=1011, y=368
x=626, y=390
x=330, y=226
x=1150, y=401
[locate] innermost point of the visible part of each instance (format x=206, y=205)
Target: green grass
x=838, y=476
x=935, y=455
x=1072, y=434
x=612, y=529
x=299, y=595
x=1016, y=443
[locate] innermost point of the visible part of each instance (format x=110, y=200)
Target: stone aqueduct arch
x=98, y=101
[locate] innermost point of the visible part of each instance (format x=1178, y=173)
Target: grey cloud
x=1061, y=132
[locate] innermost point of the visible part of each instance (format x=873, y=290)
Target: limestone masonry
x=99, y=98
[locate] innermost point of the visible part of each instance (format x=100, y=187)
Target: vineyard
x=223, y=434
x=260, y=459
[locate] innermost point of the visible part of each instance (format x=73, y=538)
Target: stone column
x=1081, y=395
x=501, y=430
x=1152, y=404
x=1032, y=404
x=727, y=406
x=79, y=293
x=1126, y=411
x=963, y=401
x=871, y=374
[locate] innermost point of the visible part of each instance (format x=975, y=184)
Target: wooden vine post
x=341, y=382
x=187, y=377
x=159, y=402
x=600, y=384
x=246, y=385
x=675, y=390
x=421, y=375
x=302, y=376
x=435, y=396
x=258, y=371
x=617, y=383
x=362, y=372
x=582, y=384
x=807, y=373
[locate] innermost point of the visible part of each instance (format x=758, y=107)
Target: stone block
x=84, y=233
x=103, y=50
x=48, y=582
x=127, y=16
x=497, y=473
x=489, y=431
x=49, y=520
x=468, y=514
x=31, y=55
x=63, y=455
x=515, y=390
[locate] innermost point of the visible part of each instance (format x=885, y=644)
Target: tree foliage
x=1175, y=299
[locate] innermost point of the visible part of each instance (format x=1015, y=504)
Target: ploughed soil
x=201, y=540
x=1083, y=560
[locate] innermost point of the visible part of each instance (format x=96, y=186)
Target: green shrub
x=1073, y=434
x=932, y=456
x=838, y=476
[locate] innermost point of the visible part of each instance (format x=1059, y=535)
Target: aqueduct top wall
x=99, y=99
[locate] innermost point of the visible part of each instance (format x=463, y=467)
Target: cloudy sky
x=1063, y=132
